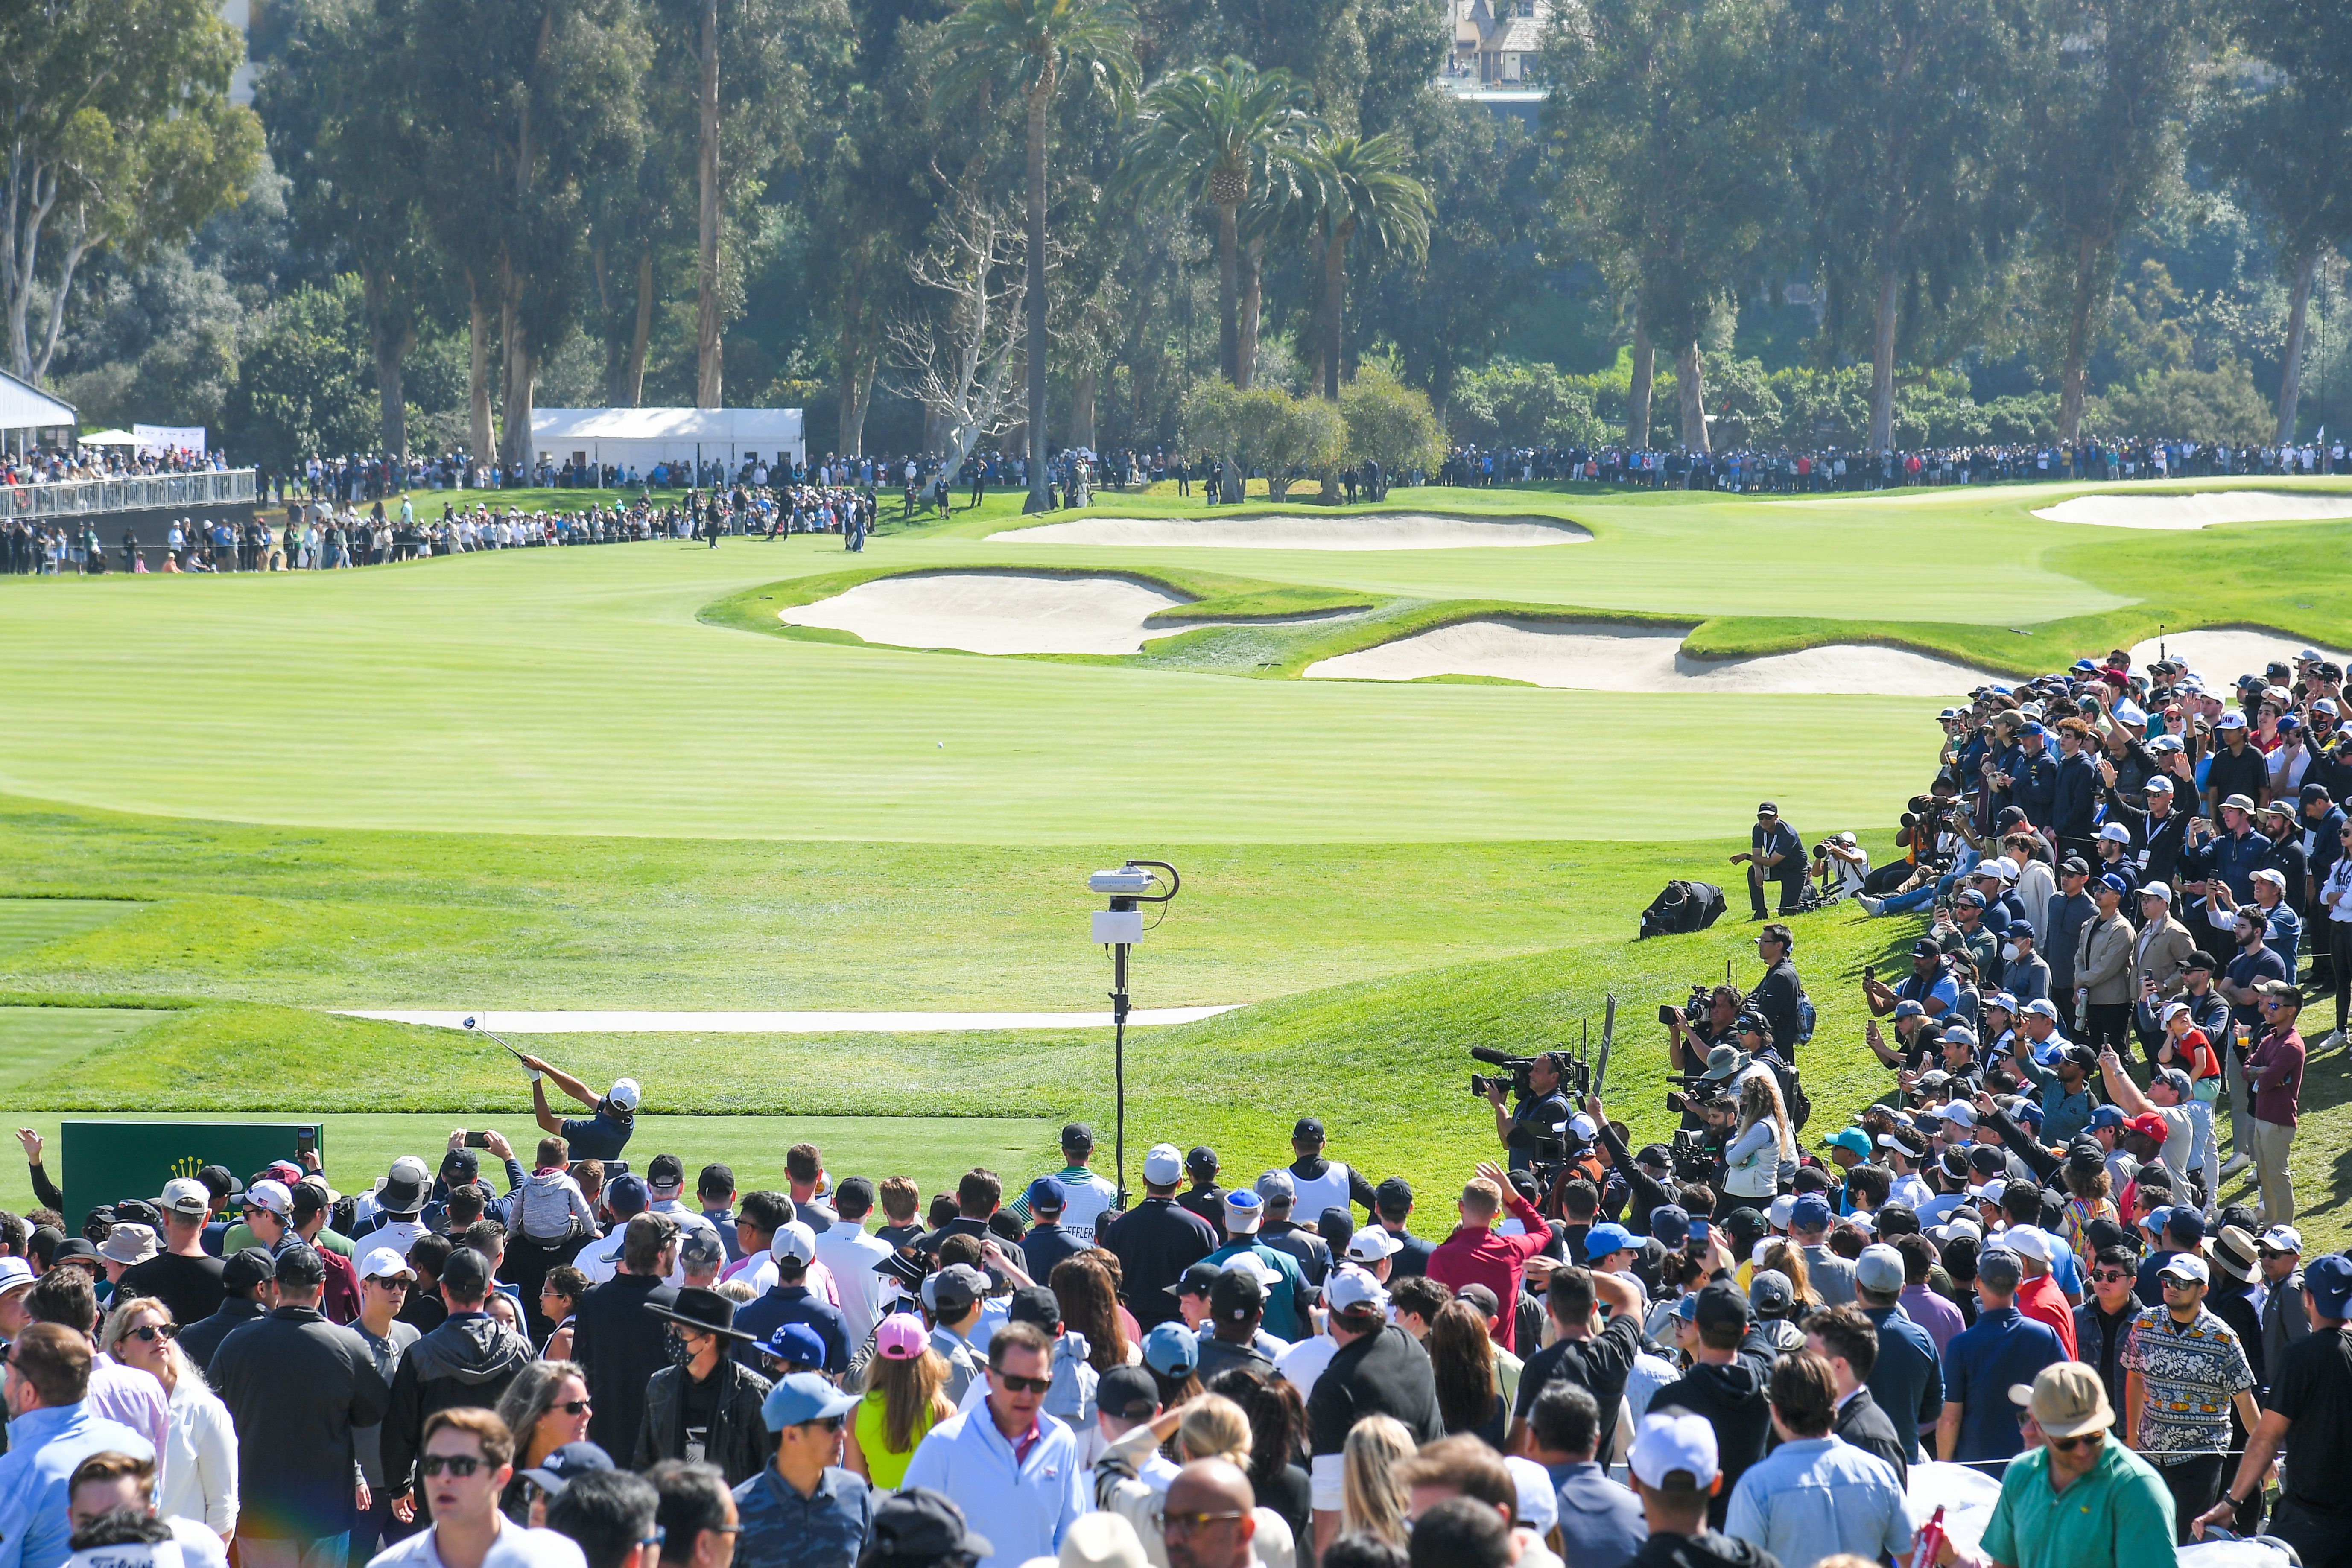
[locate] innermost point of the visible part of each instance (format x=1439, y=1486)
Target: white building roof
x=24, y=406
x=718, y=427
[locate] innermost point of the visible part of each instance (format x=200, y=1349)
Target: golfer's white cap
x=386, y=1263
x=793, y=1239
x=1669, y=1443
x=1163, y=1164
x=627, y=1094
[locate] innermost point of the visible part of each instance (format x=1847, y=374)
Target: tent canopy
x=641, y=437
x=108, y=438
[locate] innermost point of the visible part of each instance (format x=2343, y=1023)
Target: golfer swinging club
x=601, y=1136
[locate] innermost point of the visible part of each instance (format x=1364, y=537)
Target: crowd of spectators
x=1830, y=469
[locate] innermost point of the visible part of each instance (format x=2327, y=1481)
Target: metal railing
x=82, y=498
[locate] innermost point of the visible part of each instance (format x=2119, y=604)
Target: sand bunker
x=1601, y=656
x=1369, y=530
x=1011, y=612
x=2222, y=654
x=2202, y=511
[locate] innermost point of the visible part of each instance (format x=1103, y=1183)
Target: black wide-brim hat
x=697, y=1308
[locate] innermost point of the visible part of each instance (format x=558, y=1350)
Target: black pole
x=1119, y=1062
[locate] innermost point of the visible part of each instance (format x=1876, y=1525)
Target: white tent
x=640, y=437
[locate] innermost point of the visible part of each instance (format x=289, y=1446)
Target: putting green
x=577, y=691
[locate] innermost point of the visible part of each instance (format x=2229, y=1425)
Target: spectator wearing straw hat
x=2080, y=1499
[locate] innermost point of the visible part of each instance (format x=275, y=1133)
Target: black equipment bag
x=1682, y=906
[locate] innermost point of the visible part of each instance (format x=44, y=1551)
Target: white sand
x=1601, y=656
x=2201, y=511
x=1369, y=531
x=995, y=612
x=643, y=1023
x=2222, y=654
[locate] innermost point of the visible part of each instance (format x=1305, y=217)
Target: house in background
x=1497, y=42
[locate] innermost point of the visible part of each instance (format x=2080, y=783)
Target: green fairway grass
x=609, y=777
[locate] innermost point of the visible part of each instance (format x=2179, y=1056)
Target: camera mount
x=1120, y=928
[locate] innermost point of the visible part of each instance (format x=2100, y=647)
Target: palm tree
x=1361, y=186
x=1034, y=43
x=1204, y=133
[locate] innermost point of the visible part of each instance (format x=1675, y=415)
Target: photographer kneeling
x=1844, y=867
x=1531, y=1130
x=1775, y=853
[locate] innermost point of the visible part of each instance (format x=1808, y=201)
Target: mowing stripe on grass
x=588, y=1022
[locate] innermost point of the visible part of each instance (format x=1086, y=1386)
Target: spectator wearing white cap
x=1157, y=1239
x=2332, y=903
x=1288, y=1302
x=386, y=1281
x=2285, y=1316
x=1676, y=1474
x=1378, y=1371
x=1284, y=1234
x=792, y=1300
x=183, y=1276
x=601, y=1135
x=2185, y=1371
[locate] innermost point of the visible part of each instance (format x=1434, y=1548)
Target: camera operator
x=1777, y=996
x=1694, y=1030
x=1842, y=865
x=1646, y=1175
x=1775, y=853
x=1531, y=1130
x=1935, y=836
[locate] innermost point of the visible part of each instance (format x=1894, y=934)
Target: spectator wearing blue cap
x=804, y=1509
x=2310, y=1400
x=2024, y=973
x=2103, y=968
x=2032, y=777
x=2002, y=1349
x=1047, y=1240
x=1832, y=1276
x=1288, y=1300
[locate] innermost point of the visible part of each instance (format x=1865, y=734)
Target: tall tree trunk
x=1637, y=395
x=1083, y=384
x=850, y=359
x=1229, y=291
x=1253, y=271
x=1689, y=381
x=1882, y=358
x=641, y=335
x=522, y=372
x=389, y=345
x=706, y=314
x=1335, y=284
x=1040, y=96
x=477, y=373
x=2070, y=375
x=608, y=321
x=2298, y=320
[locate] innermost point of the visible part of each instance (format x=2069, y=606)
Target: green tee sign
x=108, y=1160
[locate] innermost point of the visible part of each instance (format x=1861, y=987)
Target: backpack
x=1682, y=907
x=1798, y=1104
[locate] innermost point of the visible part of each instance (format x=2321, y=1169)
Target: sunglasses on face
x=2110, y=1277
x=1186, y=1524
x=1022, y=1385
x=151, y=1332
x=570, y=1406
x=2068, y=1445
x=457, y=1465
x=833, y=1423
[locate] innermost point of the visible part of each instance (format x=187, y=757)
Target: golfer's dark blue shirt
x=598, y=1137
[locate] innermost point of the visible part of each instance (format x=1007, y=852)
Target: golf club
x=475, y=1025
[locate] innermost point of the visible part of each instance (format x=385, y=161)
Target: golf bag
x=1682, y=906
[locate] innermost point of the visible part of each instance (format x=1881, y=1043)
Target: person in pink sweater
x=1478, y=1254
